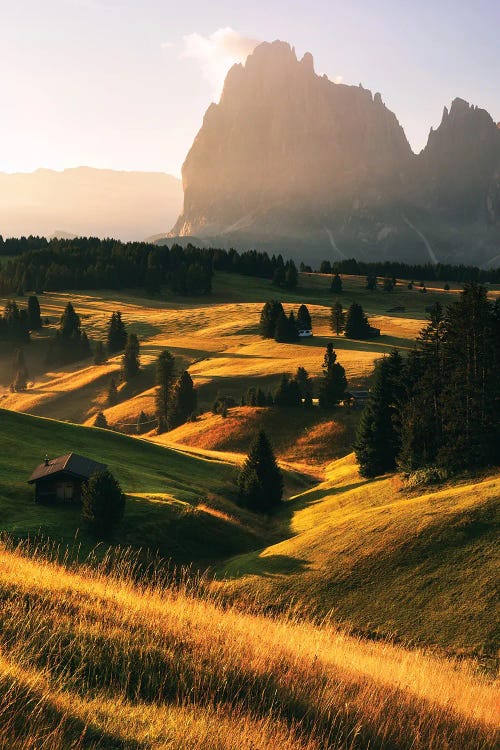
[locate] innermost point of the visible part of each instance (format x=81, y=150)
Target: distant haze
x=84, y=201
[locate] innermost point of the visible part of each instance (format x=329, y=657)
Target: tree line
x=437, y=410
x=90, y=263
x=432, y=272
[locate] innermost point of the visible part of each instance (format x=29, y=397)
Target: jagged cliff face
x=460, y=167
x=290, y=160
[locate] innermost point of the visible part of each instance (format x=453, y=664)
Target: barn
x=60, y=480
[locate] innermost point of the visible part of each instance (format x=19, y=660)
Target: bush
x=423, y=477
x=103, y=502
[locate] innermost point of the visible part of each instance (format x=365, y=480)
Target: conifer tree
x=101, y=421
x=305, y=385
x=377, y=440
x=117, y=334
x=34, y=317
x=269, y=317
x=337, y=318
x=142, y=423
x=165, y=376
x=288, y=392
x=336, y=285
x=260, y=482
x=304, y=322
x=112, y=397
x=70, y=322
x=131, y=358
x=100, y=356
x=103, y=503
x=183, y=401
x=371, y=282
x=356, y=324
x=334, y=382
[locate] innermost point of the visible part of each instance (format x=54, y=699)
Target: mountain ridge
x=289, y=160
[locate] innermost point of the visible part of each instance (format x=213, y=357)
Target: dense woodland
x=35, y=263
x=437, y=410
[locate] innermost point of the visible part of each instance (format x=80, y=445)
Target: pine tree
x=165, y=376
x=269, y=317
x=288, y=392
x=34, y=317
x=113, y=396
x=183, y=400
x=334, y=382
x=142, y=423
x=337, y=318
x=131, y=358
x=20, y=381
x=260, y=481
x=103, y=503
x=305, y=385
x=117, y=335
x=357, y=325
x=70, y=322
x=377, y=440
x=388, y=284
x=100, y=356
x=371, y=282
x=336, y=285
x=304, y=322
x=101, y=421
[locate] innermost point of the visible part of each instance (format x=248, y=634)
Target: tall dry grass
x=91, y=658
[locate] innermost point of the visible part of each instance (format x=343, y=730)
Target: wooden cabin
x=356, y=399
x=60, y=480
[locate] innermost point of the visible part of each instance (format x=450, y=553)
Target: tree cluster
x=275, y=323
x=175, y=397
x=440, y=407
x=70, y=342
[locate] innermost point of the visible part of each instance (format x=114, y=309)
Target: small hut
x=60, y=480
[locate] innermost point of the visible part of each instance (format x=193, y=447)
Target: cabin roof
x=71, y=463
x=358, y=394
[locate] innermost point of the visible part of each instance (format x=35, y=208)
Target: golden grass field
x=218, y=339
x=96, y=661
x=362, y=617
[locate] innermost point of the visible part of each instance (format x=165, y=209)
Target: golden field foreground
x=88, y=659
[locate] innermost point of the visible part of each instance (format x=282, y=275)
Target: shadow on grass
x=268, y=566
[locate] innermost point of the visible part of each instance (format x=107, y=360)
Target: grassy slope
x=167, y=507
x=216, y=336
x=88, y=661
x=417, y=566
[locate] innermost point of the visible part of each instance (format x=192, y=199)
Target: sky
x=124, y=84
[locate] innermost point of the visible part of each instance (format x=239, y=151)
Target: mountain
x=85, y=201
x=289, y=160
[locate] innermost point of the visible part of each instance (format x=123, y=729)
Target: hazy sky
x=124, y=83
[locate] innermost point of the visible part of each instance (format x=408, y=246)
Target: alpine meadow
x=249, y=444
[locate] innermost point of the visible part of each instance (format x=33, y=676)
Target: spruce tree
x=165, y=376
x=356, y=324
x=142, y=423
x=336, y=285
x=117, y=335
x=112, y=397
x=100, y=356
x=269, y=317
x=260, y=482
x=334, y=382
x=305, y=385
x=304, y=321
x=377, y=440
x=131, y=358
x=337, y=318
x=103, y=503
x=34, y=317
x=101, y=421
x=183, y=400
x=288, y=392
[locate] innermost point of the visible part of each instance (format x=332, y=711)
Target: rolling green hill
x=176, y=502
x=419, y=567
